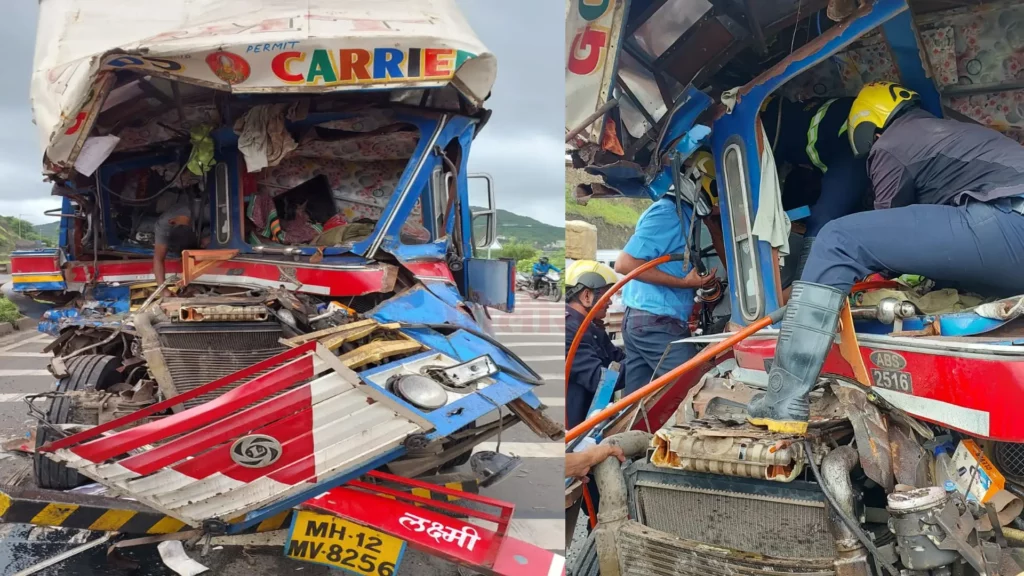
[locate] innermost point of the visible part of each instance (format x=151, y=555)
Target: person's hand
x=694, y=280
x=578, y=465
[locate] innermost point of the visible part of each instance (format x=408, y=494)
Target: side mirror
x=481, y=206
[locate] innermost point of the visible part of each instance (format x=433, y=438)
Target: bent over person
x=948, y=205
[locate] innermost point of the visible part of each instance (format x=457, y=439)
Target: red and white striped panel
x=257, y=444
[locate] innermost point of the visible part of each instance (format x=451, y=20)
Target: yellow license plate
x=330, y=540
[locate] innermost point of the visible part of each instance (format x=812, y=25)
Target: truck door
x=488, y=282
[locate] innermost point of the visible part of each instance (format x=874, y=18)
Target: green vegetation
x=516, y=250
x=622, y=212
x=50, y=231
x=614, y=218
x=14, y=230
x=8, y=311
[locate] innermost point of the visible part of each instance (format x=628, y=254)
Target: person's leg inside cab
x=978, y=245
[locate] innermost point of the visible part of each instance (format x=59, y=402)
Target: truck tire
x=84, y=373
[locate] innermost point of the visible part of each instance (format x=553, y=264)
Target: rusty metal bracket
x=849, y=348
x=195, y=263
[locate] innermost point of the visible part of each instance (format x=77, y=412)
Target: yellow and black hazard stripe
x=84, y=512
x=128, y=519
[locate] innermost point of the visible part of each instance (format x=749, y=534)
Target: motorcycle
x=523, y=282
x=547, y=287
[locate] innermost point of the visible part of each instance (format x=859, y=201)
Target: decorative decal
x=229, y=67
x=255, y=451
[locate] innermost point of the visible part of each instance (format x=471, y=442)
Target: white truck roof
x=244, y=47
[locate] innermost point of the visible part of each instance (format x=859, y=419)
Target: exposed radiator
x=647, y=552
x=784, y=521
x=198, y=353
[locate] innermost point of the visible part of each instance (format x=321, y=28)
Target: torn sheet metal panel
x=253, y=446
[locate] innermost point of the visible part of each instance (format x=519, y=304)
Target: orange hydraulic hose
x=571, y=354
x=703, y=356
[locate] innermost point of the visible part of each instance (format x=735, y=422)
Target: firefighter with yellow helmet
x=813, y=138
x=948, y=205
x=585, y=282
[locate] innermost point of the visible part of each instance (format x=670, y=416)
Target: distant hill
x=49, y=230
x=528, y=230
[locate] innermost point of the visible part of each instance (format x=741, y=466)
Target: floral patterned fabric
x=360, y=189
x=364, y=148
x=965, y=46
x=154, y=132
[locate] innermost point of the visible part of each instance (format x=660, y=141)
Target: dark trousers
x=648, y=338
x=842, y=192
x=977, y=246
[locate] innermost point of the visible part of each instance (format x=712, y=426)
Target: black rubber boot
x=805, y=339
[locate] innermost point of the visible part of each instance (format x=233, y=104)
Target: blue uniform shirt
x=541, y=269
x=659, y=232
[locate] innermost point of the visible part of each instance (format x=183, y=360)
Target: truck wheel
x=84, y=373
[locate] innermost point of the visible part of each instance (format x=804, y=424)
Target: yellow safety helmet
x=705, y=163
x=583, y=274
x=873, y=110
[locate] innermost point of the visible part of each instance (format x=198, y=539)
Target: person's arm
x=892, y=181
x=585, y=371
x=159, y=254
x=578, y=464
x=625, y=264
x=556, y=269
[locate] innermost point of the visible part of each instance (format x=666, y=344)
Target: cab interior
x=336, y=163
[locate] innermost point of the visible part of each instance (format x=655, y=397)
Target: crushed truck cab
x=329, y=321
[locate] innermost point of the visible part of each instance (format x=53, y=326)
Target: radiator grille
x=647, y=552
x=199, y=353
x=755, y=522
x=1010, y=458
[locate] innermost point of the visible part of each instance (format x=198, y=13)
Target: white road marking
x=529, y=344
x=526, y=450
x=25, y=355
x=19, y=343
x=542, y=358
x=538, y=532
x=552, y=401
x=16, y=398
x=558, y=335
x=13, y=373
x=560, y=376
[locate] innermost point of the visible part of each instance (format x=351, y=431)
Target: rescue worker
x=948, y=205
x=659, y=301
x=540, y=269
x=173, y=234
x=585, y=282
x=813, y=136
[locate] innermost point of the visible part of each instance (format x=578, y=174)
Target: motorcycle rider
x=585, y=282
x=540, y=269
x=949, y=205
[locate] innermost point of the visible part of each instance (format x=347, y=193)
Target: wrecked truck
x=912, y=462
x=333, y=324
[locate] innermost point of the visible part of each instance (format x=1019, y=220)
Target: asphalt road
x=534, y=332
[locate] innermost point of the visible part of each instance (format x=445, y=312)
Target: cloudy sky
x=520, y=147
